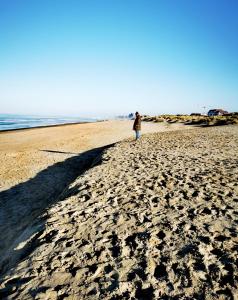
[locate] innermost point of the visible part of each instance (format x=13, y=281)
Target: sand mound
x=156, y=219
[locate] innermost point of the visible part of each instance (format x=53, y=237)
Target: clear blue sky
x=101, y=57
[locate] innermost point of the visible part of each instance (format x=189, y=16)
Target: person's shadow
x=21, y=205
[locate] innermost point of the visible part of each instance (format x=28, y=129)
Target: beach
x=37, y=165
x=24, y=153
x=87, y=212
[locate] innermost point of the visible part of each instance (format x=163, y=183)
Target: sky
x=110, y=57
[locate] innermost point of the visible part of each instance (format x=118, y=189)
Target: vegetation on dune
x=201, y=120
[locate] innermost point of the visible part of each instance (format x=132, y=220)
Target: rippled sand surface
x=153, y=219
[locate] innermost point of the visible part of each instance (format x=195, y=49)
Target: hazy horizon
x=104, y=58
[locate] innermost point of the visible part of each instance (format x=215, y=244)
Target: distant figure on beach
x=137, y=125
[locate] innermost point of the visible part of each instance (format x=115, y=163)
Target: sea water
x=10, y=122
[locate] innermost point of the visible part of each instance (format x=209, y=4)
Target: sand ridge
x=155, y=219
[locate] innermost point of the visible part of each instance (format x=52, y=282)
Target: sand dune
x=154, y=219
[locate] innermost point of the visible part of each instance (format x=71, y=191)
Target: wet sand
x=153, y=219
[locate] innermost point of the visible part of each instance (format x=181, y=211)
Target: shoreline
x=46, y=126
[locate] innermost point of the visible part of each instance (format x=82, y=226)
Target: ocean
x=10, y=122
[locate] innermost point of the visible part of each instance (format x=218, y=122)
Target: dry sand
x=24, y=153
x=153, y=219
x=36, y=165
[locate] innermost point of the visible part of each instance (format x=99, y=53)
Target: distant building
x=217, y=112
x=131, y=116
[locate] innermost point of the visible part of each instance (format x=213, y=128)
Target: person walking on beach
x=137, y=125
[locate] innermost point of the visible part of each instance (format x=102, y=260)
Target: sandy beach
x=119, y=150
x=36, y=165
x=153, y=219
x=24, y=153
